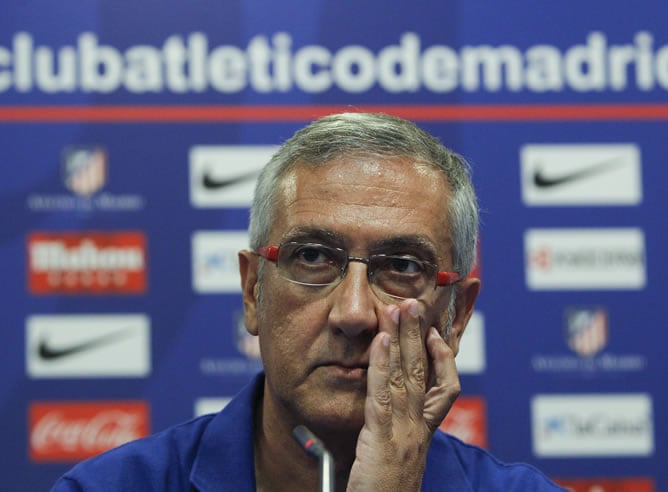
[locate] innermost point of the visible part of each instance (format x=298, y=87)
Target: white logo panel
x=592, y=425
x=584, y=259
x=215, y=262
x=204, y=406
x=471, y=356
x=86, y=346
x=225, y=175
x=584, y=174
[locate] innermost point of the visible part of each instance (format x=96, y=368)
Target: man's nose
x=353, y=305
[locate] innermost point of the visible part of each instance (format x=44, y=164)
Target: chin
x=338, y=416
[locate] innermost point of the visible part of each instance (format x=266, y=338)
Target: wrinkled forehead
x=369, y=196
x=387, y=170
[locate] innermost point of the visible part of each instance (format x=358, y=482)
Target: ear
x=467, y=292
x=248, y=263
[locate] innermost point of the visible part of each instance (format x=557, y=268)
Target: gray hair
x=370, y=135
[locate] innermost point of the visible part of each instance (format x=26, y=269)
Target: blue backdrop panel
x=102, y=116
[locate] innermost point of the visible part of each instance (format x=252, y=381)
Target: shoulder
x=481, y=470
x=150, y=463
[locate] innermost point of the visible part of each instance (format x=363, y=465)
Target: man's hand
x=405, y=403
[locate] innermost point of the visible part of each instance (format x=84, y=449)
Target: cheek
x=437, y=316
x=287, y=326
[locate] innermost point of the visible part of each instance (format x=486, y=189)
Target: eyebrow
x=412, y=243
x=407, y=242
x=315, y=234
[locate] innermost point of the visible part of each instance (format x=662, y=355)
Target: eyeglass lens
x=314, y=264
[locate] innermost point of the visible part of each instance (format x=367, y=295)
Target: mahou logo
x=87, y=262
x=73, y=431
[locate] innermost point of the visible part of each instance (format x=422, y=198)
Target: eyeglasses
x=317, y=265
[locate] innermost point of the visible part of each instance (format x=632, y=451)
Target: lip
x=346, y=371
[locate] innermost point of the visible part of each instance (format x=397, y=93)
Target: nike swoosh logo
x=542, y=181
x=47, y=352
x=211, y=183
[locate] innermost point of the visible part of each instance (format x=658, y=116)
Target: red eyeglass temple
x=446, y=278
x=268, y=252
x=442, y=278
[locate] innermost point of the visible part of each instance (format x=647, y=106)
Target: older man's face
x=315, y=340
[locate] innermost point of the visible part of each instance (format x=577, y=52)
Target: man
x=362, y=232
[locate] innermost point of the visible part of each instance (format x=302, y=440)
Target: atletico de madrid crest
x=84, y=169
x=587, y=330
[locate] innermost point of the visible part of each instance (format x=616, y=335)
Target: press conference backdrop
x=131, y=136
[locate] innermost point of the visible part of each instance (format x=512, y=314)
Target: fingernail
x=413, y=309
x=395, y=314
x=385, y=339
x=433, y=332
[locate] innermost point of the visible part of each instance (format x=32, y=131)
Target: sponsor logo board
x=85, y=172
x=247, y=344
x=634, y=484
x=193, y=63
x=586, y=334
x=225, y=175
x=581, y=174
x=467, y=420
x=88, y=346
x=602, y=259
x=73, y=431
x=471, y=356
x=590, y=425
x=247, y=360
x=87, y=263
x=204, y=406
x=215, y=264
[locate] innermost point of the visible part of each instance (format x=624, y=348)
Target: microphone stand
x=315, y=448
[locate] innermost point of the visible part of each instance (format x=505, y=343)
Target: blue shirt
x=215, y=453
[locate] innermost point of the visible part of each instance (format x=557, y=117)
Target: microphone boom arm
x=315, y=448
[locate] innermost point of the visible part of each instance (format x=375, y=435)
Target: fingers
x=396, y=381
x=412, y=357
x=392, y=326
x=388, y=388
x=401, y=413
x=407, y=357
x=378, y=403
x=446, y=388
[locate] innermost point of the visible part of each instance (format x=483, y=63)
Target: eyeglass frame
x=270, y=253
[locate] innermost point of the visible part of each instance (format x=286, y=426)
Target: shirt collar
x=225, y=458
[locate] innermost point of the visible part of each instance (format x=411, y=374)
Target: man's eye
x=311, y=255
x=404, y=265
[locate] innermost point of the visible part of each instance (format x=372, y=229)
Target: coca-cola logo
x=75, y=431
x=612, y=484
